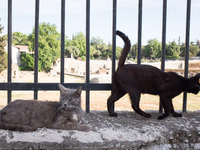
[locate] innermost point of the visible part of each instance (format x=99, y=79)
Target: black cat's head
x=194, y=85
x=70, y=98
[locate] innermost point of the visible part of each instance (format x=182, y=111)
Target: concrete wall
x=127, y=131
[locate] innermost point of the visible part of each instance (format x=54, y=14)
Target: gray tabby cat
x=29, y=115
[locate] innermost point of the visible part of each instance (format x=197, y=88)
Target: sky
x=101, y=18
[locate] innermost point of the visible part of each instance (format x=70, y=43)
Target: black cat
x=136, y=79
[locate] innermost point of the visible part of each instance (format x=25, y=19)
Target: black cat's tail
x=125, y=50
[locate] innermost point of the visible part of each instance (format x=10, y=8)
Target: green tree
x=49, y=45
x=133, y=51
x=182, y=50
x=173, y=50
x=67, y=42
x=152, y=50
x=106, y=51
x=72, y=50
x=79, y=40
x=96, y=41
x=26, y=62
x=3, y=58
x=198, y=45
x=94, y=53
x=100, y=49
x=19, y=38
x=118, y=52
x=193, y=49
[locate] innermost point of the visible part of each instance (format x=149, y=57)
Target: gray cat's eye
x=70, y=99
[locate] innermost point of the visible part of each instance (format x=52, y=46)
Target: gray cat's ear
x=78, y=91
x=62, y=88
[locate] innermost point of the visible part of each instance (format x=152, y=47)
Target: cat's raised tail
x=126, y=48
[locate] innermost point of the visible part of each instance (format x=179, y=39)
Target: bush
x=3, y=58
x=26, y=62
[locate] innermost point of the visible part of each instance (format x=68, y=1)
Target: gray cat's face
x=70, y=98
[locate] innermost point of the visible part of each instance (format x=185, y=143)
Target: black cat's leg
x=135, y=100
x=175, y=114
x=165, y=104
x=115, y=95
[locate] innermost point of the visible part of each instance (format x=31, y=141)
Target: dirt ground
x=97, y=98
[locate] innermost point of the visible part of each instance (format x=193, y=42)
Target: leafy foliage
x=133, y=51
x=194, y=49
x=19, y=38
x=72, y=50
x=3, y=58
x=26, y=62
x=99, y=50
x=49, y=45
x=79, y=40
x=153, y=49
x=77, y=46
x=49, y=48
x=172, y=50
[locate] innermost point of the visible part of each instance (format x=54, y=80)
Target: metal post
x=187, y=44
x=87, y=54
x=114, y=36
x=9, y=50
x=164, y=35
x=139, y=32
x=163, y=41
x=62, y=63
x=36, y=47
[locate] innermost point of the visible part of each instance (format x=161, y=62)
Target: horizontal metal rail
x=52, y=86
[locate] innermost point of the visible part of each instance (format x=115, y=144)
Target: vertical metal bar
x=164, y=35
x=187, y=44
x=163, y=41
x=87, y=54
x=36, y=47
x=9, y=49
x=139, y=32
x=62, y=63
x=114, y=36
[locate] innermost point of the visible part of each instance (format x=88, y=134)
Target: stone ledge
x=127, y=131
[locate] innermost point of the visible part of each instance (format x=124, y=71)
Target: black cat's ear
x=78, y=91
x=198, y=77
x=62, y=88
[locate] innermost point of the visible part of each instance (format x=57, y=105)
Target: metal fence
x=87, y=86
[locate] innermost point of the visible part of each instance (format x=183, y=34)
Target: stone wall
x=127, y=131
